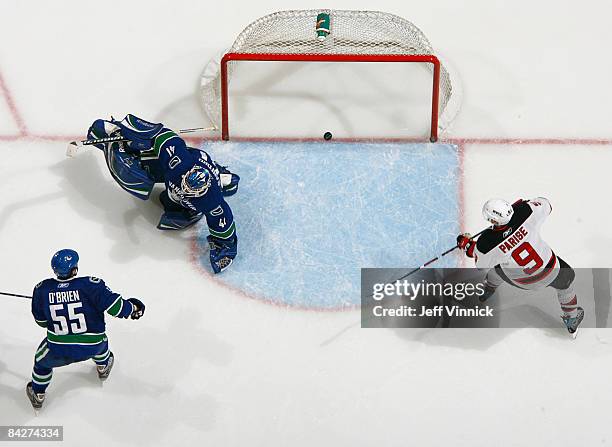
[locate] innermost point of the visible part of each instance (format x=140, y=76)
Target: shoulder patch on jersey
x=94, y=280
x=39, y=284
x=492, y=238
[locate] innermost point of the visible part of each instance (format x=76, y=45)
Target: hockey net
x=353, y=36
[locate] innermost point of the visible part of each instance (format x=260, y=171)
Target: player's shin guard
x=568, y=301
x=41, y=374
x=491, y=283
x=41, y=378
x=103, y=358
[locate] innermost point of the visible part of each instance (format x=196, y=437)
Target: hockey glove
x=467, y=244
x=139, y=308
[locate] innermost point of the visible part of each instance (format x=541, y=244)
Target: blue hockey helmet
x=63, y=262
x=196, y=181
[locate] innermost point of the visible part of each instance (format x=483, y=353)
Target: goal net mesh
x=351, y=33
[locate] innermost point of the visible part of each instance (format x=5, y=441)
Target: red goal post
x=279, y=57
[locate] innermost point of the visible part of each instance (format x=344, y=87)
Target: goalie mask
x=195, y=182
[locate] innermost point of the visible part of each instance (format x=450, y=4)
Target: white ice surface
x=206, y=365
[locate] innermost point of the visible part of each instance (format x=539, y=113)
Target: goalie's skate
x=36, y=399
x=105, y=370
x=572, y=323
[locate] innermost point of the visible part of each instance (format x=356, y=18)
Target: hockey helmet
x=64, y=262
x=497, y=211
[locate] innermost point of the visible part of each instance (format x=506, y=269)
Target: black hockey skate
x=104, y=371
x=572, y=323
x=36, y=399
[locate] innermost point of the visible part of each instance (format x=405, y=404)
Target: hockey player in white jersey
x=513, y=251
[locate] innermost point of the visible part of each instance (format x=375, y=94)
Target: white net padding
x=352, y=33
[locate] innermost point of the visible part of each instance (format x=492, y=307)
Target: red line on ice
x=460, y=141
x=10, y=102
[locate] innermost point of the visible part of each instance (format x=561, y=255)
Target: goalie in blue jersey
x=195, y=184
x=72, y=310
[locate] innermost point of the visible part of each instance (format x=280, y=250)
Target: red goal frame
x=269, y=57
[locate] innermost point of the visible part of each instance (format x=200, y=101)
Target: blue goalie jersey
x=73, y=311
x=175, y=159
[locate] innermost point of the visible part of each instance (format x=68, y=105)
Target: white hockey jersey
x=523, y=257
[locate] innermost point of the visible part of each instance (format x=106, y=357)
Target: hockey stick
x=74, y=146
x=440, y=256
x=16, y=295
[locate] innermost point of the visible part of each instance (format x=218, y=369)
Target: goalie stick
x=74, y=146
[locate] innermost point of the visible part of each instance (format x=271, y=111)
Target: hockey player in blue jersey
x=72, y=310
x=195, y=184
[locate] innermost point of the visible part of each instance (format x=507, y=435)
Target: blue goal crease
x=309, y=216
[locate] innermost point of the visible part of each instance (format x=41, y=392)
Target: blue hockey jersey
x=73, y=311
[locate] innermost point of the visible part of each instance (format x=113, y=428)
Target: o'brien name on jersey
x=513, y=240
x=69, y=296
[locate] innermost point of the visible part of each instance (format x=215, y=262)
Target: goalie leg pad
x=177, y=220
x=222, y=252
x=175, y=216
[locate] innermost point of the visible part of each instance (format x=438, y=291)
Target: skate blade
x=574, y=335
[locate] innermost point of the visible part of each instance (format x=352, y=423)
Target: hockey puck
x=327, y=136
